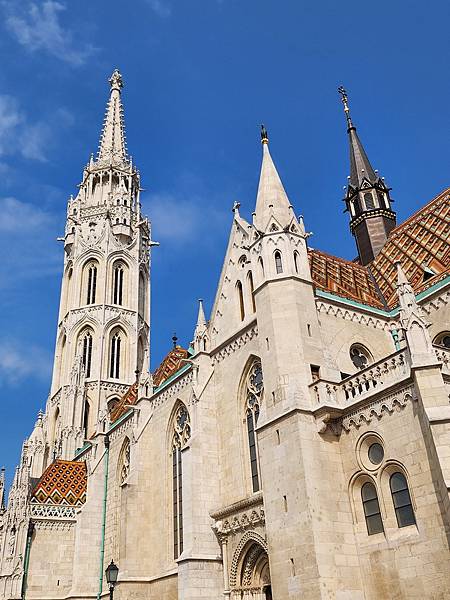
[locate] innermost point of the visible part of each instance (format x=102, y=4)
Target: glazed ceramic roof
x=62, y=482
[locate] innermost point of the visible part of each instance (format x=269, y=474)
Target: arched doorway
x=253, y=581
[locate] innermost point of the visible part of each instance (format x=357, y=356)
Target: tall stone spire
x=200, y=334
x=113, y=147
x=271, y=200
x=367, y=198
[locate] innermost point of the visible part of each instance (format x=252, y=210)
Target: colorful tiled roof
x=170, y=365
x=421, y=244
x=129, y=398
x=63, y=482
x=343, y=278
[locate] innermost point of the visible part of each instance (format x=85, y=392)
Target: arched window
x=278, y=262
x=114, y=356
x=86, y=419
x=371, y=508
x=240, y=300
x=360, y=356
x=118, y=284
x=251, y=288
x=402, y=500
x=142, y=299
x=443, y=339
x=369, y=201
x=91, y=283
x=87, y=353
x=261, y=267
x=180, y=437
x=253, y=391
x=296, y=261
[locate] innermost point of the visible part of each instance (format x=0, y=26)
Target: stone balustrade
x=374, y=378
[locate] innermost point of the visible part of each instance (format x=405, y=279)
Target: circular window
x=360, y=356
x=376, y=453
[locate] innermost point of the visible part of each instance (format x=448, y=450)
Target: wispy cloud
x=178, y=219
x=37, y=26
x=19, y=135
x=160, y=7
x=20, y=361
x=27, y=243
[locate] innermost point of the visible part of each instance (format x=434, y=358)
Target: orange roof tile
x=129, y=398
x=62, y=482
x=170, y=365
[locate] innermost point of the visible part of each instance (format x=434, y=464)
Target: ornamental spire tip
x=116, y=80
x=264, y=135
x=344, y=97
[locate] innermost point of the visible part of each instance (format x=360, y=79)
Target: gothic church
x=298, y=449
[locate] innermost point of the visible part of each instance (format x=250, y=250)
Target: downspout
x=102, y=541
x=26, y=562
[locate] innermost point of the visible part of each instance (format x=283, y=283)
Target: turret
x=367, y=199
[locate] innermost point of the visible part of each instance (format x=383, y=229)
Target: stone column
x=226, y=581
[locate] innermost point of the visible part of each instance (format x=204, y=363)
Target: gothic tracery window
x=360, y=356
x=254, y=391
x=181, y=435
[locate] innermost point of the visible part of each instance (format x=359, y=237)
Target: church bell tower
x=104, y=323
x=368, y=197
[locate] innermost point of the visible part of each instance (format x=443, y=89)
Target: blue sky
x=200, y=76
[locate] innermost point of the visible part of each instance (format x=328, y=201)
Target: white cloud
x=179, y=219
x=20, y=361
x=38, y=27
x=160, y=7
x=27, y=243
x=18, y=135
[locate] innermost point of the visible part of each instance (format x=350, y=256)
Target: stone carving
x=376, y=409
x=237, y=343
x=247, y=537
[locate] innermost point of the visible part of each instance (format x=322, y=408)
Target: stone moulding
x=53, y=512
x=249, y=536
x=229, y=348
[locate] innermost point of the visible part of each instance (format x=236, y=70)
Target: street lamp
x=112, y=571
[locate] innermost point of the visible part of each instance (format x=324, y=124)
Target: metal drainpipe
x=102, y=542
x=27, y=559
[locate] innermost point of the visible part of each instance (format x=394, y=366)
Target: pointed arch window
x=240, y=295
x=369, y=201
x=114, y=356
x=251, y=290
x=87, y=353
x=278, y=262
x=86, y=419
x=91, y=284
x=261, y=267
x=180, y=437
x=402, y=500
x=296, y=261
x=118, y=284
x=371, y=506
x=254, y=391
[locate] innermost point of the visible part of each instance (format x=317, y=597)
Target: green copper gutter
x=26, y=562
x=102, y=541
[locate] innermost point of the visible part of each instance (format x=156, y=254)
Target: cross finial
x=344, y=97
x=264, y=135
x=174, y=340
x=116, y=80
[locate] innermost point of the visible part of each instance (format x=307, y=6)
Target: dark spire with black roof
x=367, y=199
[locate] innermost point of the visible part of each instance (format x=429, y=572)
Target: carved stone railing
x=53, y=512
x=372, y=379
x=443, y=356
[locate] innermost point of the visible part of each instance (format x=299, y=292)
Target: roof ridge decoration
x=127, y=400
x=170, y=364
x=113, y=146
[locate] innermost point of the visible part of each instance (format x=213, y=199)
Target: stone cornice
x=240, y=505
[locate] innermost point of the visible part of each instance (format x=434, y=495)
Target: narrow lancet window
x=251, y=290
x=91, y=284
x=87, y=353
x=254, y=390
x=118, y=284
x=240, y=300
x=181, y=435
x=278, y=262
x=114, y=362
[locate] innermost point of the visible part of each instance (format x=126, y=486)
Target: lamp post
x=112, y=571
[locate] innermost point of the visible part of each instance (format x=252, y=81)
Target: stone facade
x=299, y=450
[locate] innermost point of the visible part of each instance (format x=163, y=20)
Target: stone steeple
x=200, y=340
x=113, y=146
x=271, y=200
x=367, y=197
